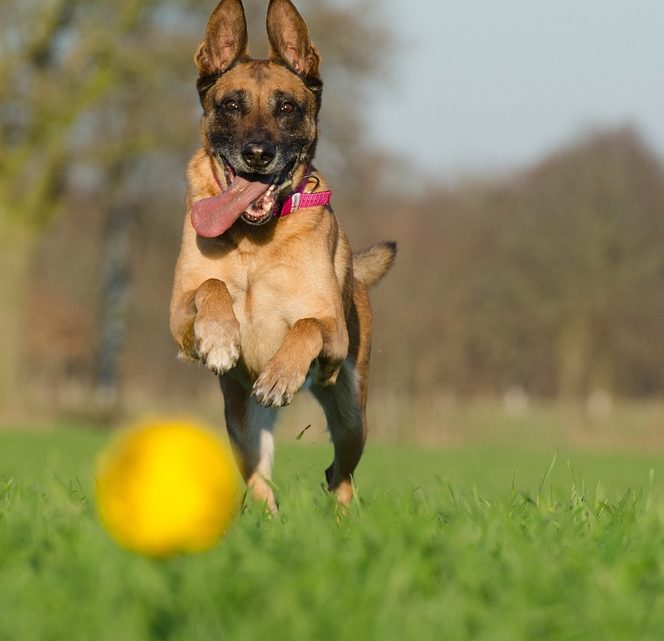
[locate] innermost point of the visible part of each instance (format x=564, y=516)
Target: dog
x=267, y=293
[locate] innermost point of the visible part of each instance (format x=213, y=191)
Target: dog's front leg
x=307, y=339
x=205, y=327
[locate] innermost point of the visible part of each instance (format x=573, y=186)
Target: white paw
x=217, y=344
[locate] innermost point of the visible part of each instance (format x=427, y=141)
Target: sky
x=490, y=85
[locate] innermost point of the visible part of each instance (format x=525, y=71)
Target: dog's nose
x=258, y=155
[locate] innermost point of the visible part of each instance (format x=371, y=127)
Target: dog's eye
x=287, y=108
x=230, y=105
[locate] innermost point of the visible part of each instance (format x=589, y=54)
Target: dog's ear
x=289, y=40
x=225, y=39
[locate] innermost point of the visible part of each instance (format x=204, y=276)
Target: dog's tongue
x=211, y=217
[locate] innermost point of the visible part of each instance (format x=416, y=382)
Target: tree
x=590, y=237
x=551, y=280
x=43, y=91
x=77, y=91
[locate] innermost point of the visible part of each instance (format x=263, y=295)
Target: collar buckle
x=296, y=197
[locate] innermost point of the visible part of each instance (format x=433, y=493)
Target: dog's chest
x=264, y=302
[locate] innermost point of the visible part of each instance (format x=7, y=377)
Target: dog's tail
x=371, y=264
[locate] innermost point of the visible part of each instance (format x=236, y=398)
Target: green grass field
x=481, y=544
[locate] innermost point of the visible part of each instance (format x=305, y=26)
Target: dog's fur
x=264, y=307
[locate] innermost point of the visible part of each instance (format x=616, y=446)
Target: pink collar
x=301, y=200
x=298, y=199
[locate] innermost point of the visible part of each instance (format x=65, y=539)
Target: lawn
x=472, y=543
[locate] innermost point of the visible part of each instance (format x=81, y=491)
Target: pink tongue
x=211, y=217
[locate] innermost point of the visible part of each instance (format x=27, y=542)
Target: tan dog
x=266, y=291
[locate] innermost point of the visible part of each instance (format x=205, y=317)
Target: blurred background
x=513, y=149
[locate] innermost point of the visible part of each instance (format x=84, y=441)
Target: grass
x=482, y=544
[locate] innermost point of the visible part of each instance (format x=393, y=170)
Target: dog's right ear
x=225, y=39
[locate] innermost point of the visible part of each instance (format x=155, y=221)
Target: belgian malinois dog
x=267, y=293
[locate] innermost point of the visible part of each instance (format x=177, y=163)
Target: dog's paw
x=217, y=343
x=277, y=384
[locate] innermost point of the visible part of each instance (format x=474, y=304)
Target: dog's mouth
x=251, y=197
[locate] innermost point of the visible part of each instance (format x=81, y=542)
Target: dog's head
x=259, y=116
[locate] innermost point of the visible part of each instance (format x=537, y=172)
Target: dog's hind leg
x=345, y=402
x=346, y=421
x=250, y=427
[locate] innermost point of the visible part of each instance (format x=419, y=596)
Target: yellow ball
x=165, y=487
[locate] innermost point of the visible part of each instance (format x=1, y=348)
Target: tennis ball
x=165, y=487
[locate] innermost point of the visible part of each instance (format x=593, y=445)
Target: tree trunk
x=115, y=293
x=114, y=306
x=16, y=250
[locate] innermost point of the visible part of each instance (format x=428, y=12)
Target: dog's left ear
x=289, y=41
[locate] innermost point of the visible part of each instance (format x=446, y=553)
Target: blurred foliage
x=551, y=281
x=85, y=87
